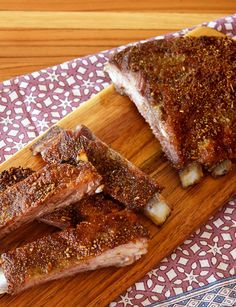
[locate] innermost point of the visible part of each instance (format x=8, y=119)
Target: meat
x=12, y=176
x=84, y=210
x=57, y=146
x=122, y=180
x=117, y=240
x=45, y=140
x=54, y=186
x=185, y=88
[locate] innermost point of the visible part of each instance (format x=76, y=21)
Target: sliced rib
x=52, y=187
x=108, y=241
x=45, y=141
x=123, y=180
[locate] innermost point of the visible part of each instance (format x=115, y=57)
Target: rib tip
x=157, y=210
x=221, y=168
x=191, y=174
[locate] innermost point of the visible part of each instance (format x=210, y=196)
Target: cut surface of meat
x=84, y=210
x=52, y=187
x=57, y=146
x=43, y=143
x=117, y=240
x=185, y=88
x=12, y=176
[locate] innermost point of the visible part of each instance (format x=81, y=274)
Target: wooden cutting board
x=116, y=121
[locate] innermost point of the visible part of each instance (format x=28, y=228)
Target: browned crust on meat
x=64, y=148
x=72, y=247
x=122, y=180
x=62, y=218
x=84, y=210
x=57, y=146
x=12, y=176
x=44, y=191
x=96, y=205
x=45, y=140
x=193, y=80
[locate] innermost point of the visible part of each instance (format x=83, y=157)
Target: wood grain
x=226, y=6
x=115, y=120
x=23, y=51
x=29, y=40
x=101, y=20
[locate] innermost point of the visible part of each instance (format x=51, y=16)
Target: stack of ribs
x=91, y=193
x=185, y=88
x=122, y=180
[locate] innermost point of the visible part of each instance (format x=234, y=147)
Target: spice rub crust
x=122, y=180
x=12, y=176
x=193, y=82
x=84, y=210
x=43, y=191
x=51, y=255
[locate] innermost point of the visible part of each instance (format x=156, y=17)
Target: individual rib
x=123, y=180
x=54, y=186
x=116, y=240
x=57, y=146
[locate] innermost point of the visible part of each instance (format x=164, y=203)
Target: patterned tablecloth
x=204, y=266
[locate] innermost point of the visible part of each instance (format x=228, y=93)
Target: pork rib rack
x=185, y=88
